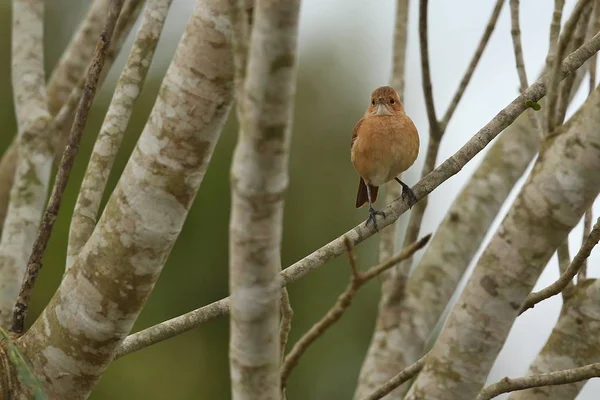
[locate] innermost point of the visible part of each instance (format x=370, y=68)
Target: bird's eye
x=392, y=101
x=372, y=102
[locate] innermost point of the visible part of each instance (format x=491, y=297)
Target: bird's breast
x=385, y=146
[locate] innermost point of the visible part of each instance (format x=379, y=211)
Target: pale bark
x=67, y=76
x=28, y=195
x=562, y=185
x=259, y=178
x=113, y=128
x=358, y=234
x=572, y=343
x=76, y=336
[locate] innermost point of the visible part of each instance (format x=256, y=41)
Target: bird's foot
x=408, y=194
x=373, y=216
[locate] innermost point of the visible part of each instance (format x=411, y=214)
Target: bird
x=385, y=143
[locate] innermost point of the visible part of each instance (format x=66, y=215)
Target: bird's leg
x=373, y=212
x=407, y=193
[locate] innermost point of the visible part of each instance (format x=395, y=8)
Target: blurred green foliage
x=319, y=207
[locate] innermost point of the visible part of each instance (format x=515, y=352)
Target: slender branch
x=552, y=66
x=572, y=40
x=287, y=313
x=393, y=211
x=487, y=33
x=27, y=197
x=108, y=142
x=516, y=39
x=434, y=125
x=404, y=375
x=587, y=227
x=562, y=282
x=66, y=165
x=564, y=260
x=344, y=301
x=549, y=379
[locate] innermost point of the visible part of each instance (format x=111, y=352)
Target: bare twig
x=287, y=313
x=434, y=125
x=587, y=227
x=393, y=211
x=572, y=40
x=404, y=375
x=487, y=33
x=552, y=66
x=344, y=301
x=35, y=261
x=108, y=142
x=564, y=260
x=562, y=282
x=549, y=379
x=516, y=39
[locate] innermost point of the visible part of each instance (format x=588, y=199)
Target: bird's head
x=385, y=101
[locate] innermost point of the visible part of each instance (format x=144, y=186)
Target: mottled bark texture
x=35, y=133
x=67, y=76
x=100, y=297
x=403, y=327
x=259, y=178
x=115, y=123
x=562, y=185
x=572, y=343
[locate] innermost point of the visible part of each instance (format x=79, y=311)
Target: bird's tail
x=362, y=197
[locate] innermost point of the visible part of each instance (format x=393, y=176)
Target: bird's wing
x=356, y=128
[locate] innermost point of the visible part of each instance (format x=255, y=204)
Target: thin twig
x=66, y=165
x=552, y=66
x=562, y=282
x=548, y=379
x=564, y=260
x=434, y=125
x=572, y=40
x=344, y=301
x=403, y=376
x=587, y=227
x=487, y=33
x=393, y=211
x=287, y=313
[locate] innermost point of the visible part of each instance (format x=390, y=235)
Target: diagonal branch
x=113, y=128
x=549, y=379
x=552, y=65
x=344, y=301
x=559, y=285
x=360, y=233
x=403, y=376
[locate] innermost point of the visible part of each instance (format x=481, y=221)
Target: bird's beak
x=382, y=110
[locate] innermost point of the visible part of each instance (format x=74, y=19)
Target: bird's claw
x=373, y=216
x=409, y=195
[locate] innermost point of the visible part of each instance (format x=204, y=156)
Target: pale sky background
x=356, y=36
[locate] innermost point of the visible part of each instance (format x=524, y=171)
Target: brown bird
x=385, y=143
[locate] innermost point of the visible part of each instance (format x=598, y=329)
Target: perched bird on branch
x=385, y=143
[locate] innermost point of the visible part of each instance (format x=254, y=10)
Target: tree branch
x=344, y=301
x=259, y=178
x=35, y=132
x=549, y=379
x=64, y=171
x=113, y=128
x=404, y=375
x=552, y=65
x=558, y=286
